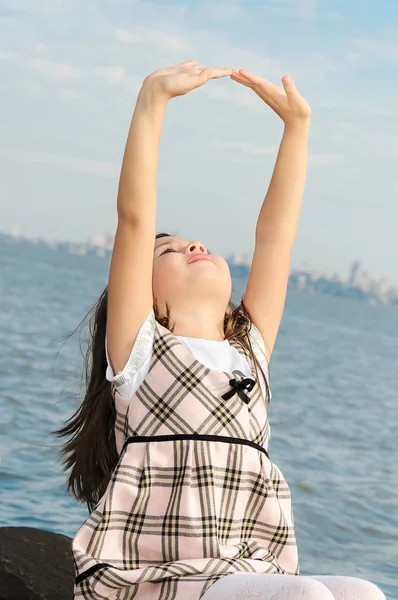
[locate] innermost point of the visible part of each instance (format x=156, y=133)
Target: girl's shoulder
x=127, y=381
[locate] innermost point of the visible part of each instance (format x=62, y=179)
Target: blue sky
x=70, y=73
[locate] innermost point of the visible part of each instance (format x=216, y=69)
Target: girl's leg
x=252, y=586
x=351, y=588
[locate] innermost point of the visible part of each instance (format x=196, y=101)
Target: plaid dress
x=194, y=496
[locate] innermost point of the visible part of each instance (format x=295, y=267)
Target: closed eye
x=168, y=249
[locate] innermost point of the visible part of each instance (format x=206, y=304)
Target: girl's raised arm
x=130, y=297
x=277, y=223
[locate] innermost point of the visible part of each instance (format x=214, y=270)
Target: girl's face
x=186, y=275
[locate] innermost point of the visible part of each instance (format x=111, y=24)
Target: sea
x=333, y=414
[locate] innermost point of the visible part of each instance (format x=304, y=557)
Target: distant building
x=354, y=273
x=104, y=241
x=301, y=282
x=243, y=258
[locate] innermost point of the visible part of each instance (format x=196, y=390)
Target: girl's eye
x=169, y=249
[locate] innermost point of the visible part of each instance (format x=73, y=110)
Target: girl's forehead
x=171, y=239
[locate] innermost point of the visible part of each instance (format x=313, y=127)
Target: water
x=334, y=412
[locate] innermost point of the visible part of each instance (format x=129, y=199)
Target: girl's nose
x=195, y=246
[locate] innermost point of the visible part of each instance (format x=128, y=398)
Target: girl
x=169, y=448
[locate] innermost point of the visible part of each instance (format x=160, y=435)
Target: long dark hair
x=90, y=450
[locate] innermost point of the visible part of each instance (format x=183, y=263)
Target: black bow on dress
x=239, y=386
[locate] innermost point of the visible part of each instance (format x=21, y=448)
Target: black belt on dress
x=142, y=439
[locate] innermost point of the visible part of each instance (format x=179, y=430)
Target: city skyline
x=354, y=273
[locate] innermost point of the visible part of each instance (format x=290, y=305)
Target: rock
x=35, y=565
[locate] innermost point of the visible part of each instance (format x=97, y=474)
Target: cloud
x=375, y=51
x=36, y=6
x=222, y=10
x=320, y=159
x=301, y=10
x=111, y=75
x=154, y=38
x=70, y=94
x=295, y=9
x=39, y=47
x=246, y=147
x=54, y=70
x=83, y=165
x=7, y=55
x=353, y=56
x=249, y=148
x=375, y=109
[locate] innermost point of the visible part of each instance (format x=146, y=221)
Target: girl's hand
x=181, y=79
x=286, y=102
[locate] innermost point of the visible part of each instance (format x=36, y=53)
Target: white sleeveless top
x=216, y=355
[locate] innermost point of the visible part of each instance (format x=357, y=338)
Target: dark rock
x=35, y=565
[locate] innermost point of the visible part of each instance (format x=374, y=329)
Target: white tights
x=251, y=586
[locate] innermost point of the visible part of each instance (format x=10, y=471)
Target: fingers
x=214, y=73
x=253, y=78
x=236, y=76
x=288, y=85
x=207, y=73
x=255, y=82
x=267, y=90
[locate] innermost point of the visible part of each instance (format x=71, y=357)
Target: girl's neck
x=201, y=326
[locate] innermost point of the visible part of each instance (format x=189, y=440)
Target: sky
x=70, y=74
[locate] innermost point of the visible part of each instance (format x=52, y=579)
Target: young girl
x=169, y=448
